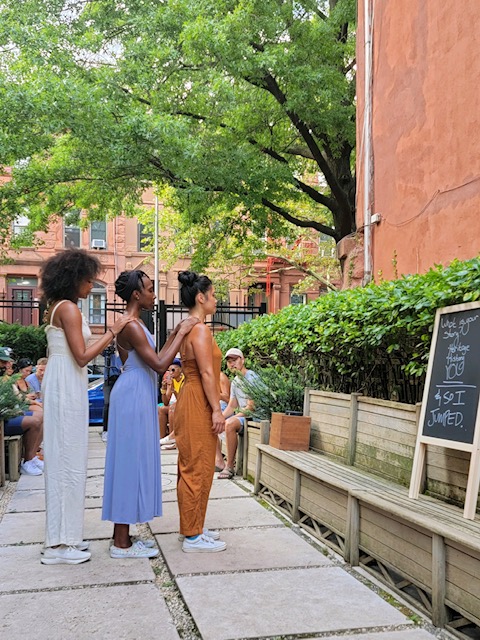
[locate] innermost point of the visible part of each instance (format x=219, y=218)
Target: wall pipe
x=367, y=144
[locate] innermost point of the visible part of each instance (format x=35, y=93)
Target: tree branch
x=298, y=265
x=306, y=224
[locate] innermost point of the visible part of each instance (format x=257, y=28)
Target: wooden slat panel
x=253, y=440
x=391, y=436
x=394, y=545
x=328, y=395
x=324, y=503
x=278, y=477
x=385, y=406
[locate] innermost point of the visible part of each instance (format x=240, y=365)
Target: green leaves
x=227, y=102
x=375, y=340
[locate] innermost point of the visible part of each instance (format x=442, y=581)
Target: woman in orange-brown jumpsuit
x=198, y=418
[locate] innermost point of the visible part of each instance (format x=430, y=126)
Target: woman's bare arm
x=133, y=336
x=201, y=341
x=70, y=320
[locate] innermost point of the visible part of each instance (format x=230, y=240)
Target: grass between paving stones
x=165, y=583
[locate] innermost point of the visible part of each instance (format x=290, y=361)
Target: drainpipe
x=367, y=143
x=155, y=266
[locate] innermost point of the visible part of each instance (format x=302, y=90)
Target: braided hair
x=192, y=284
x=128, y=282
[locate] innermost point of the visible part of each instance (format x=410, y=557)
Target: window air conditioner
x=99, y=244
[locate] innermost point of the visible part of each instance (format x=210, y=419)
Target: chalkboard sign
x=449, y=416
x=454, y=383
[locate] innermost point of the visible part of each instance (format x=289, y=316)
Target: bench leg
x=258, y=471
x=352, y=534
x=439, y=611
x=239, y=460
x=297, y=483
x=14, y=456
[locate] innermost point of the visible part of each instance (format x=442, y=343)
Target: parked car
x=95, y=401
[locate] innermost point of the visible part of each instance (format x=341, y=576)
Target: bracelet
x=111, y=331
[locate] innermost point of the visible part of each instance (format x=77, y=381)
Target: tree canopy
x=239, y=112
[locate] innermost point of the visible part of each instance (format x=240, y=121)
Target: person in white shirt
x=235, y=410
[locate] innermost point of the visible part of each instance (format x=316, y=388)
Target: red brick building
x=425, y=161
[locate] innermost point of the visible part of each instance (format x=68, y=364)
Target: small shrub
x=25, y=341
x=374, y=340
x=11, y=405
x=278, y=389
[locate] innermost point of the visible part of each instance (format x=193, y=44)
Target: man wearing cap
x=235, y=422
x=4, y=358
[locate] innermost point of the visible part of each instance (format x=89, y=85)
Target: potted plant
x=278, y=394
x=11, y=405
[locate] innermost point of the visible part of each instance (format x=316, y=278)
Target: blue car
x=95, y=401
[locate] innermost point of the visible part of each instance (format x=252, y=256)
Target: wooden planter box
x=290, y=433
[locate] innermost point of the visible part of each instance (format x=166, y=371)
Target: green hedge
x=26, y=342
x=373, y=339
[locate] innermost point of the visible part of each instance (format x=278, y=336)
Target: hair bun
x=187, y=278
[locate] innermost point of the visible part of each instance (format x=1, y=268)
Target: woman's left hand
x=218, y=422
x=120, y=324
x=185, y=326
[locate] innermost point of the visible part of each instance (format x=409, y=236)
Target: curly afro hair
x=62, y=274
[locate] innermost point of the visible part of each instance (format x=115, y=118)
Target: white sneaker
x=104, y=436
x=203, y=544
x=167, y=440
x=30, y=468
x=40, y=464
x=137, y=550
x=214, y=535
x=81, y=546
x=64, y=555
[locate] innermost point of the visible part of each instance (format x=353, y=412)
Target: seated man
x=30, y=425
x=235, y=422
x=171, y=384
x=35, y=379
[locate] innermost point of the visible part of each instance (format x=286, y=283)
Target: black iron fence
x=160, y=321
x=164, y=317
x=25, y=312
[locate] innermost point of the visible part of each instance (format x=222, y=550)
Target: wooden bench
x=13, y=449
x=422, y=548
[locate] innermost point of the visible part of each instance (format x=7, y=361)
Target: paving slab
x=296, y=601
x=29, y=527
x=34, y=500
x=94, y=486
x=405, y=634
x=28, y=500
x=219, y=490
x=110, y=613
x=221, y=514
x=26, y=483
x=247, y=549
x=100, y=570
x=96, y=463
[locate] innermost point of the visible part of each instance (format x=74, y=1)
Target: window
x=71, y=230
x=96, y=304
x=98, y=234
x=20, y=224
x=145, y=237
x=298, y=298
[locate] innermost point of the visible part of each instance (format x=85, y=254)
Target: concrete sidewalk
x=272, y=580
